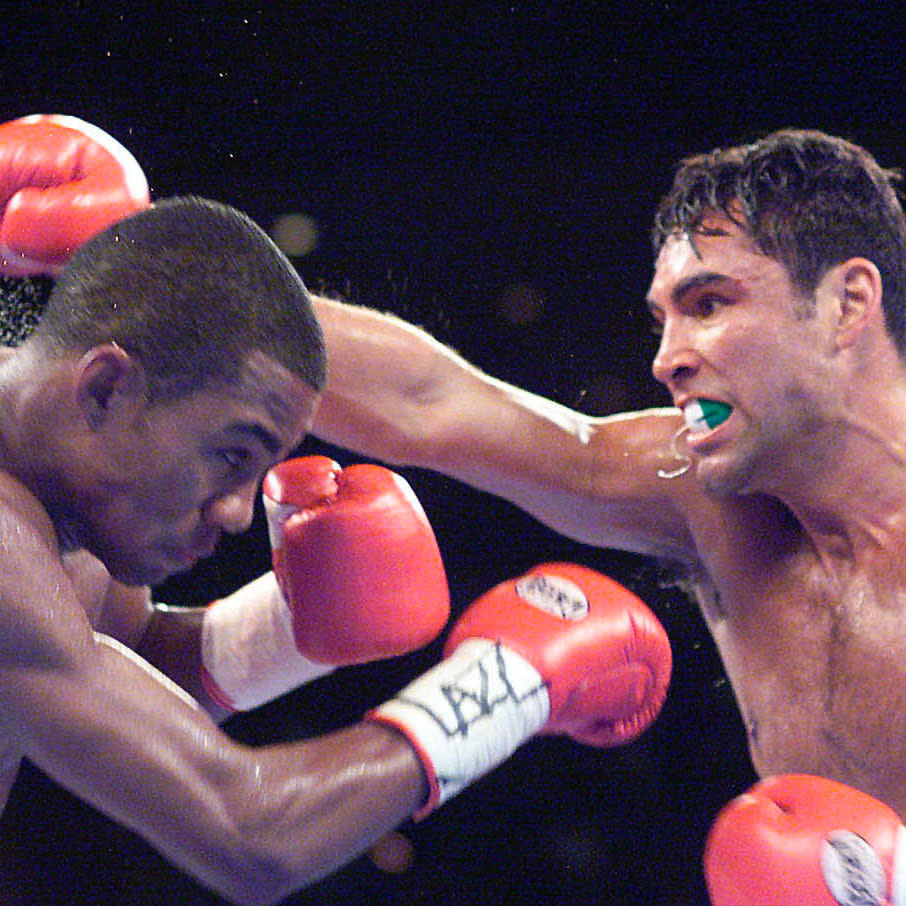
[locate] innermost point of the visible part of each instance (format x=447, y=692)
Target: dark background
x=455, y=159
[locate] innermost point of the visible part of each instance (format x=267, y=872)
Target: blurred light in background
x=393, y=853
x=296, y=235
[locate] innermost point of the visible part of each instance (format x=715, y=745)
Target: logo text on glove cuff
x=554, y=595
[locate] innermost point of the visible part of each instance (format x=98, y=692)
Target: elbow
x=247, y=876
x=239, y=854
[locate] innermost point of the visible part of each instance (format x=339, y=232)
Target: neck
x=850, y=497
x=31, y=421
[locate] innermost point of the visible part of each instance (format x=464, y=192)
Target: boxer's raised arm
x=397, y=394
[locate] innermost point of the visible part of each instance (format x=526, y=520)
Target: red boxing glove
x=603, y=655
x=357, y=577
x=799, y=840
x=563, y=649
x=62, y=181
x=356, y=559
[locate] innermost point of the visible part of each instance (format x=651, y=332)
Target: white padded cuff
x=468, y=714
x=248, y=649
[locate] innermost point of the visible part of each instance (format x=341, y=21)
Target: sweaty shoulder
x=29, y=550
x=37, y=602
x=19, y=507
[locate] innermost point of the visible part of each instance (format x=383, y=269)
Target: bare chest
x=818, y=667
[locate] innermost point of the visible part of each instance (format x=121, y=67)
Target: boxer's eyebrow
x=697, y=281
x=254, y=430
x=687, y=285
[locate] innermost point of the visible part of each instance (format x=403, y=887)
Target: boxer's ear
x=110, y=383
x=857, y=289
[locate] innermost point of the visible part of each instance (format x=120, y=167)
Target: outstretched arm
x=397, y=394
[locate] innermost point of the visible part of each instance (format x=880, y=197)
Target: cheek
x=170, y=493
x=792, y=390
x=772, y=358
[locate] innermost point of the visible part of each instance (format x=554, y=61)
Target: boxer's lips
x=702, y=415
x=201, y=550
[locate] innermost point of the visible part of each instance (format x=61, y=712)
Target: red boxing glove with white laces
x=357, y=577
x=799, y=840
x=62, y=180
x=563, y=649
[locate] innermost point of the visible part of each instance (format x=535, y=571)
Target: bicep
x=169, y=638
x=126, y=613
x=172, y=643
x=596, y=480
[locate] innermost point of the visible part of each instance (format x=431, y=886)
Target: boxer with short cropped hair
x=177, y=364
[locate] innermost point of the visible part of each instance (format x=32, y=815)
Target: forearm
x=388, y=384
x=253, y=824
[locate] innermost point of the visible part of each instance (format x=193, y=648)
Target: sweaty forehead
x=720, y=247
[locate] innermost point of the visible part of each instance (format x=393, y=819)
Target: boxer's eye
x=707, y=305
x=234, y=457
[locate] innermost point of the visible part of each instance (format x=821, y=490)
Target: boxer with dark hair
x=777, y=481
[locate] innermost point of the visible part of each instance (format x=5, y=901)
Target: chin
x=134, y=572
x=724, y=479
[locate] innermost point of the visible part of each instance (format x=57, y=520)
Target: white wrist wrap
x=468, y=714
x=248, y=651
